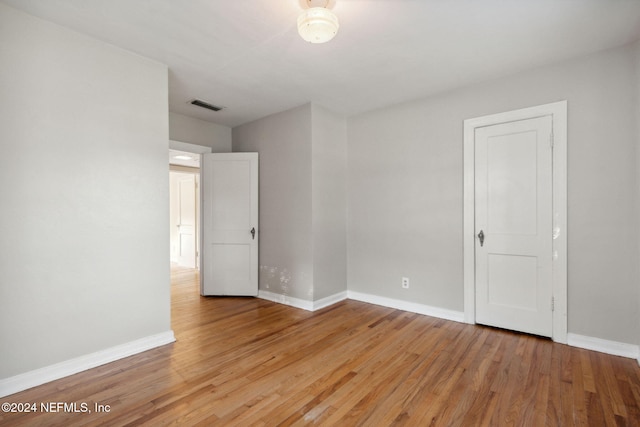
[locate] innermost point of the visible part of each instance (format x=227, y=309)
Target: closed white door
x=513, y=225
x=187, y=245
x=229, y=262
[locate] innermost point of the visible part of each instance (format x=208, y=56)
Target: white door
x=229, y=262
x=187, y=221
x=513, y=225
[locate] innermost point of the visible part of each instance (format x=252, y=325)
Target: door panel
x=520, y=293
x=230, y=268
x=514, y=211
x=231, y=190
x=512, y=183
x=230, y=213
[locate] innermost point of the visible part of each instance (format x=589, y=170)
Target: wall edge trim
x=427, y=310
x=330, y=300
x=69, y=367
x=302, y=303
x=286, y=300
x=614, y=348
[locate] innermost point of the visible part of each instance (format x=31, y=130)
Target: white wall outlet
x=405, y=282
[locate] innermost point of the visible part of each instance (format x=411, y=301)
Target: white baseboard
x=604, y=346
x=286, y=300
x=330, y=300
x=442, y=313
x=412, y=307
x=302, y=303
x=40, y=376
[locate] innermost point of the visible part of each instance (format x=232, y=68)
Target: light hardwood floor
x=250, y=362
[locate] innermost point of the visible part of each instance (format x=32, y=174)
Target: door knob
x=253, y=233
x=481, y=237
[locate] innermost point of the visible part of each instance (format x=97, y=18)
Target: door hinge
x=553, y=304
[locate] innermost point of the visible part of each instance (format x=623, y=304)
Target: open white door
x=229, y=262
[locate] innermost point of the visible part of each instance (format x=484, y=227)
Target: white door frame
x=558, y=112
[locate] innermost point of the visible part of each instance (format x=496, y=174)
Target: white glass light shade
x=317, y=25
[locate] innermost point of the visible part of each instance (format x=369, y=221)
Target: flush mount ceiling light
x=182, y=157
x=317, y=24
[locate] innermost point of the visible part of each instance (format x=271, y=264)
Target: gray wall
x=302, y=200
x=200, y=132
x=286, y=248
x=329, y=198
x=405, y=190
x=84, y=262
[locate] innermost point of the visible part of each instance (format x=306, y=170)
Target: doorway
x=184, y=170
x=515, y=260
x=229, y=209
x=184, y=216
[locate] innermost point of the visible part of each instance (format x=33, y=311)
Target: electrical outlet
x=405, y=282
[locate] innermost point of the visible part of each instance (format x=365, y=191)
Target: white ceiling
x=246, y=55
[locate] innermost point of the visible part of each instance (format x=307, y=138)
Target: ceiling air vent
x=206, y=105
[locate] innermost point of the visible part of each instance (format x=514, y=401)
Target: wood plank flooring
x=251, y=362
